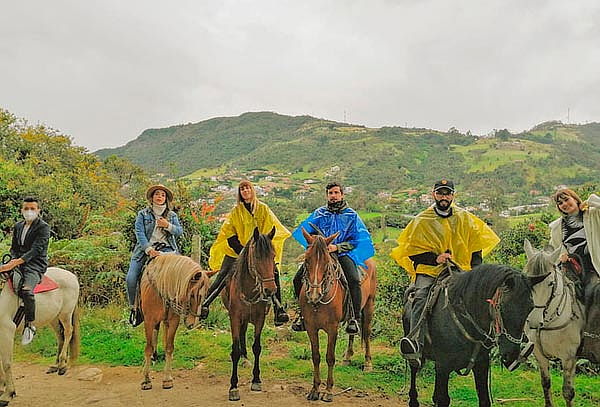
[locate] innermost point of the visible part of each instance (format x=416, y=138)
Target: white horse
x=557, y=322
x=57, y=308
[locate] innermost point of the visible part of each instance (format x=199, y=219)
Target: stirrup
x=28, y=334
x=352, y=328
x=409, y=348
x=136, y=317
x=298, y=325
x=204, y=311
x=281, y=317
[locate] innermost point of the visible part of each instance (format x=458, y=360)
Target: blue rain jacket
x=351, y=228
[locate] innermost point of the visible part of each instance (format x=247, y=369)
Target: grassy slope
x=107, y=339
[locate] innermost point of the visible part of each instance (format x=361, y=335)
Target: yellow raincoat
x=461, y=234
x=241, y=222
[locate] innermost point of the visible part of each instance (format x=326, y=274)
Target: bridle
x=331, y=277
x=258, y=292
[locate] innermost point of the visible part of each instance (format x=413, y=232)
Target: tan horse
x=172, y=287
x=322, y=303
x=57, y=308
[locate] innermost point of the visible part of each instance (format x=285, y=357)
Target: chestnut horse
x=172, y=287
x=247, y=297
x=322, y=306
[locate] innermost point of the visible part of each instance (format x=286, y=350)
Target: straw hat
x=150, y=192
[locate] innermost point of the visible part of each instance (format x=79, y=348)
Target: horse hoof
x=327, y=397
x=246, y=363
x=52, y=369
x=346, y=362
x=313, y=395
x=62, y=371
x=167, y=384
x=146, y=385
x=368, y=367
x=234, y=395
x=256, y=387
x=3, y=403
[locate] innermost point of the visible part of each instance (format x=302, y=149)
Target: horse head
x=259, y=256
x=197, y=288
x=318, y=263
x=540, y=263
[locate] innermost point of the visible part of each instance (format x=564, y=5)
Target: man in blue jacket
x=352, y=246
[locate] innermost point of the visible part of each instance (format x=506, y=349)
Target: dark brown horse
x=247, y=297
x=172, y=287
x=322, y=305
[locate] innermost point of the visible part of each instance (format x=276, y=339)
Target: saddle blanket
x=47, y=284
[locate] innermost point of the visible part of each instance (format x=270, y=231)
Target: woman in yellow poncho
x=440, y=233
x=237, y=230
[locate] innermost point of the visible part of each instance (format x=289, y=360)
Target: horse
x=322, y=306
x=57, y=308
x=558, y=322
x=172, y=287
x=474, y=311
x=247, y=297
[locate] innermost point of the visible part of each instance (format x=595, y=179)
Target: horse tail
x=75, y=343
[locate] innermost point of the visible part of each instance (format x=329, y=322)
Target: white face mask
x=30, y=215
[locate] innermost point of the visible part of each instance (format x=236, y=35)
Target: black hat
x=443, y=183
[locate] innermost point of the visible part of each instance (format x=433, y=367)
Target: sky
x=103, y=71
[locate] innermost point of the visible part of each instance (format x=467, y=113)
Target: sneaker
x=136, y=317
x=298, y=325
x=28, y=334
x=281, y=317
x=352, y=327
x=409, y=348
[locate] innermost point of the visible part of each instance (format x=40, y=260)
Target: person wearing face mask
x=577, y=231
x=249, y=213
x=29, y=252
x=156, y=230
x=352, y=247
x=440, y=233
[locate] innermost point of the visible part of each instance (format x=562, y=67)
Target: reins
x=258, y=293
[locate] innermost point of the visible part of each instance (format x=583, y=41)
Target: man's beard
x=443, y=204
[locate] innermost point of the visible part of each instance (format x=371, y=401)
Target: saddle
x=47, y=284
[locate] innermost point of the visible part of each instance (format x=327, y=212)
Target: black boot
x=412, y=344
x=215, y=288
x=353, y=327
x=280, y=316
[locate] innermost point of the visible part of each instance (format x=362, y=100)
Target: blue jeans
x=134, y=273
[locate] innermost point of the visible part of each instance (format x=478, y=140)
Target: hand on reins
x=443, y=258
x=153, y=253
x=11, y=265
x=162, y=223
x=564, y=257
x=332, y=248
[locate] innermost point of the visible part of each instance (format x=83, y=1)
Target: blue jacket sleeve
x=140, y=231
x=177, y=229
x=361, y=240
x=297, y=233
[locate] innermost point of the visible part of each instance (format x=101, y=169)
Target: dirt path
x=119, y=386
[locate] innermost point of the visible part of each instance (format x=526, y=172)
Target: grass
x=484, y=157
x=107, y=339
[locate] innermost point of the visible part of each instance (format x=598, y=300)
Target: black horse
x=474, y=312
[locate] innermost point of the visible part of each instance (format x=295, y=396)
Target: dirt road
x=120, y=386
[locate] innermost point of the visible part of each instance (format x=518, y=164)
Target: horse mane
x=476, y=286
x=171, y=275
x=263, y=247
x=538, y=264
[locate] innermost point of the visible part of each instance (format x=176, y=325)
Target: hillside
x=377, y=159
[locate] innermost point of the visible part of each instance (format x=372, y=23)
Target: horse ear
x=331, y=238
x=272, y=233
x=256, y=234
x=555, y=255
x=528, y=248
x=309, y=238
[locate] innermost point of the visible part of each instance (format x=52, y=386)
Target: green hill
x=377, y=159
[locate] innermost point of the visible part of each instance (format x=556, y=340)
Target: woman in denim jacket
x=156, y=228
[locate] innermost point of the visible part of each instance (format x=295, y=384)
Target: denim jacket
x=144, y=226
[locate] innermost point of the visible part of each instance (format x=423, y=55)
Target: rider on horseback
x=352, y=246
x=29, y=252
x=577, y=231
x=248, y=214
x=440, y=233
x=156, y=228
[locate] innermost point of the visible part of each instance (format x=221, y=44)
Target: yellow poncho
x=240, y=222
x=461, y=234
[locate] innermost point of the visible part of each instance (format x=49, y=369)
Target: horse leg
x=440, y=392
x=234, y=393
x=60, y=342
x=7, y=334
x=480, y=373
x=65, y=338
x=155, y=342
x=544, y=365
x=313, y=335
x=148, y=351
x=171, y=326
x=331, y=341
x=568, y=390
x=412, y=393
x=349, y=351
x=243, y=348
x=256, y=349
x=367, y=320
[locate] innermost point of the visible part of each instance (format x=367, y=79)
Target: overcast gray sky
x=103, y=71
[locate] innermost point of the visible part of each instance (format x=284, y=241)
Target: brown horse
x=247, y=298
x=322, y=305
x=172, y=287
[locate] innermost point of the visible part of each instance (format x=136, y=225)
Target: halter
x=259, y=282
x=331, y=277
